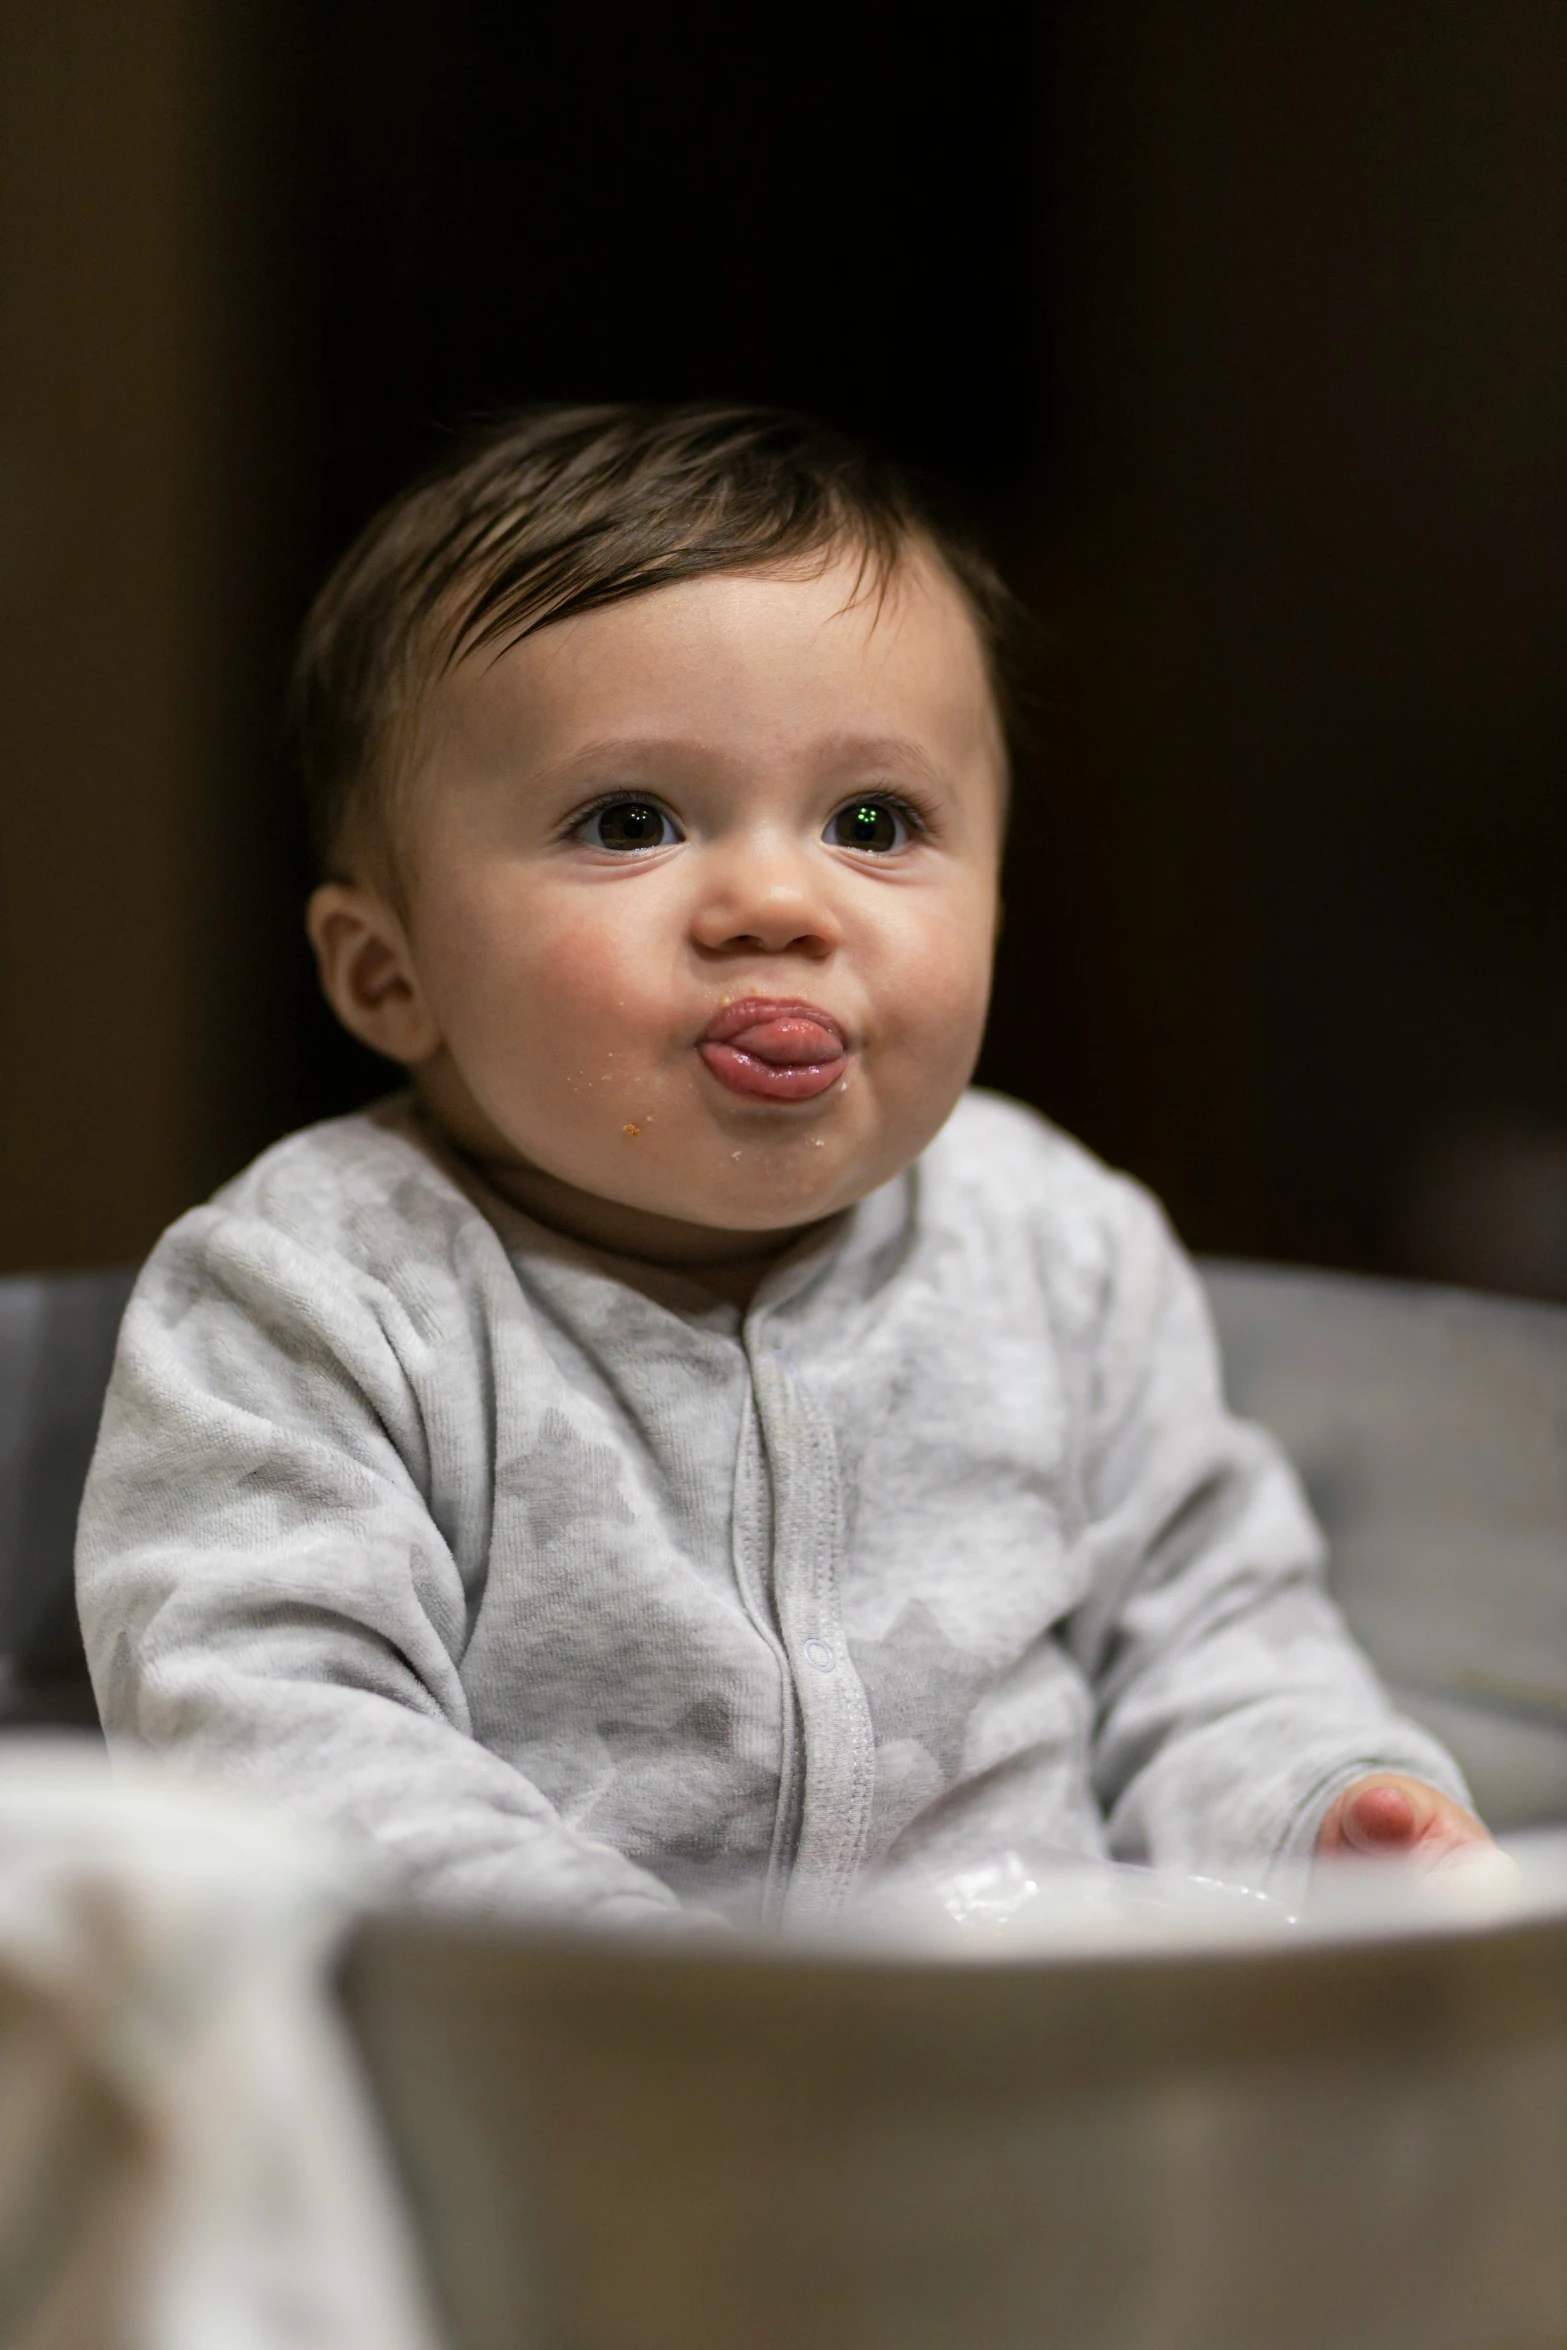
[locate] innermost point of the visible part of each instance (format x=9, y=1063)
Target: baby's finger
x=1389, y=1817
x=1381, y=1816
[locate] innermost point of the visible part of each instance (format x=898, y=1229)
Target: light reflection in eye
x=868, y=824
x=627, y=825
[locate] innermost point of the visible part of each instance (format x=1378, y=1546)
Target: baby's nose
x=767, y=902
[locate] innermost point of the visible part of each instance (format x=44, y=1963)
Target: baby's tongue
x=788, y=1037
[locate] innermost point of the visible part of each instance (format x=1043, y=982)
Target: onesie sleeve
x=263, y=1588
x=1232, y=1704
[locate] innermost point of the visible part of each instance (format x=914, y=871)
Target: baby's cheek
x=597, y=1035
x=932, y=961
x=587, y=970
x=527, y=1005
x=931, y=1026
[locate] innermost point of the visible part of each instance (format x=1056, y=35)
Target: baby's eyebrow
x=836, y=754
x=617, y=751
x=883, y=751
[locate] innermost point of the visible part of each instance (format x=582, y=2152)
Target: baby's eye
x=627, y=825
x=869, y=824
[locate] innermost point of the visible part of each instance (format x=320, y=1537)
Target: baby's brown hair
x=559, y=511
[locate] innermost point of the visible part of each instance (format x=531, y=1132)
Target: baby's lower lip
x=783, y=1056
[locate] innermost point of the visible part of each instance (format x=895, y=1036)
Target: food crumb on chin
x=633, y=1131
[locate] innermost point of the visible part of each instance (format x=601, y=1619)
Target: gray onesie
x=579, y=1590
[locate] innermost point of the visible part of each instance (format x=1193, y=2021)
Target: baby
x=688, y=1452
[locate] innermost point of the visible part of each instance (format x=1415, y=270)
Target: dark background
x=1240, y=329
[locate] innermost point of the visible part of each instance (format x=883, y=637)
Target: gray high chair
x=1430, y=1429
x=57, y=1338
x=1295, y=2146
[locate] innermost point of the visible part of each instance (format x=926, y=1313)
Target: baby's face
x=701, y=901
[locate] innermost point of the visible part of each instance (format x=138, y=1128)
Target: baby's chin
x=764, y=1180
x=676, y=1181
x=700, y=1202
x=755, y=1202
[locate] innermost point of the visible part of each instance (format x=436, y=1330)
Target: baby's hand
x=1386, y=1817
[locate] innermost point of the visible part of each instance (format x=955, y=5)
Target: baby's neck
x=732, y=1265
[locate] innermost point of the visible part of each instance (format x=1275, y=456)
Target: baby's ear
x=367, y=972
